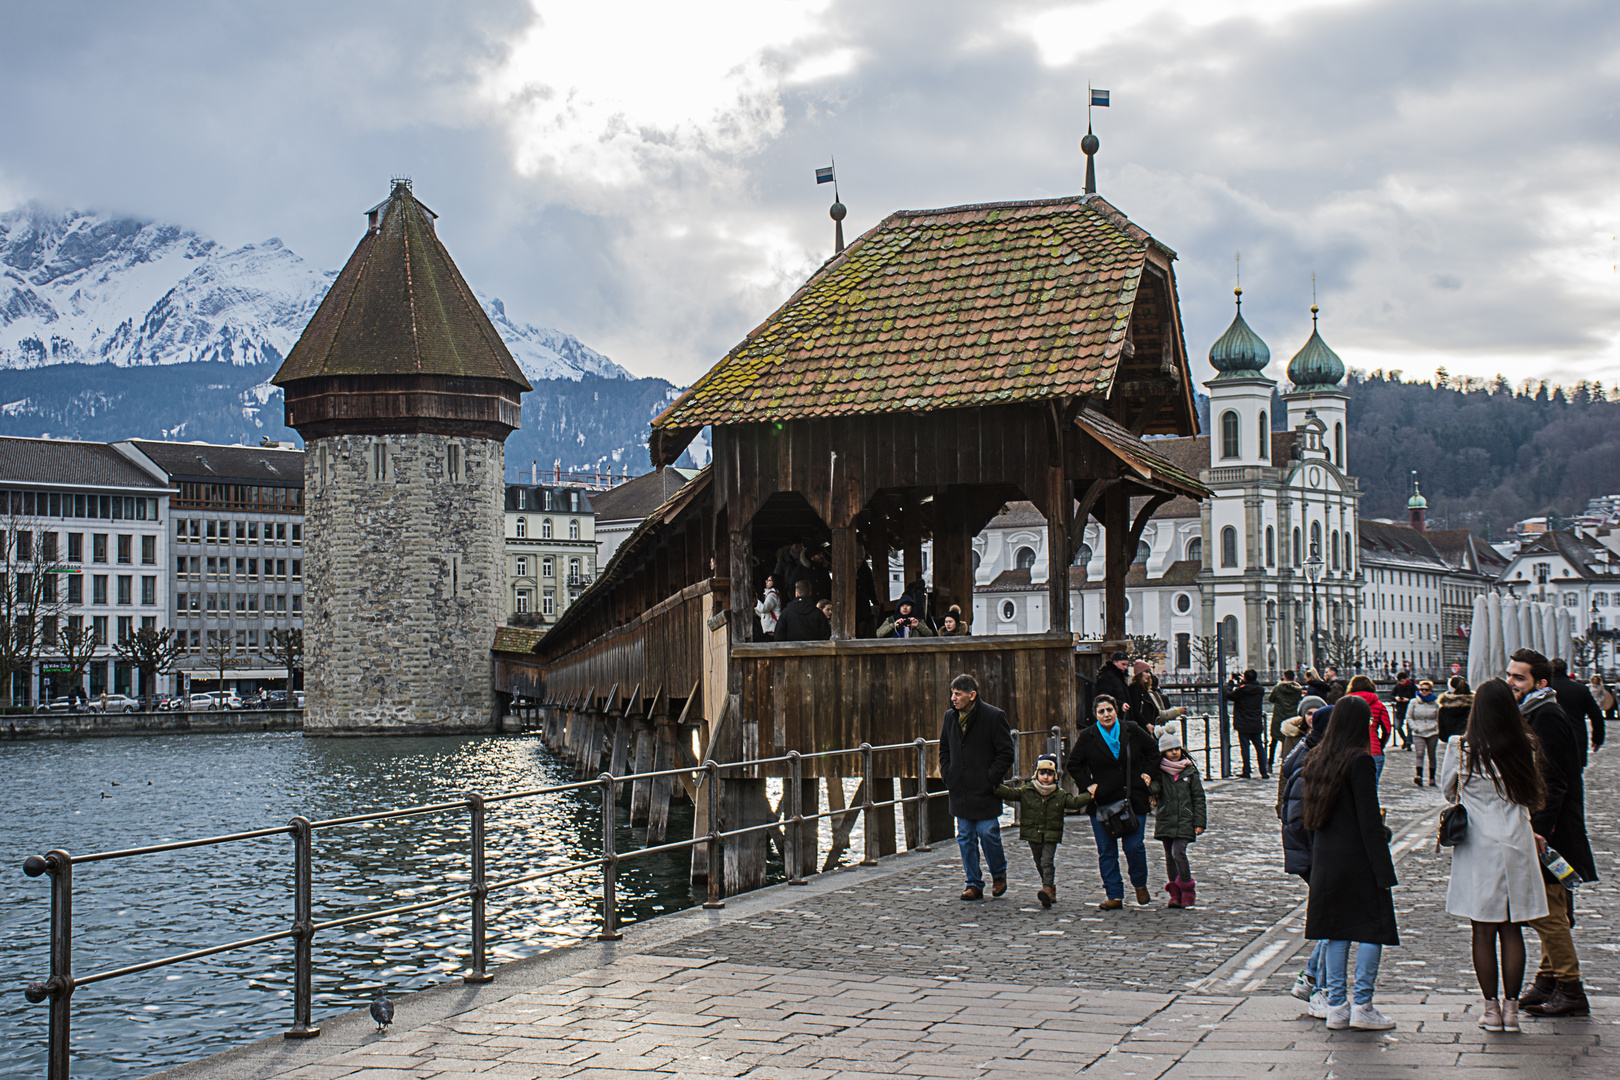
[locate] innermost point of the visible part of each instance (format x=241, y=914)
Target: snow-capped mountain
x=85, y=288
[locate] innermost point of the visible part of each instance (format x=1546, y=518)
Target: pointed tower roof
x=1315, y=366
x=1239, y=352
x=400, y=308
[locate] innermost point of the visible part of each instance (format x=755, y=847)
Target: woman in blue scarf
x=1103, y=752
x=1423, y=724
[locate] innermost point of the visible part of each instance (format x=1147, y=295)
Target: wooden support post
x=878, y=548
x=1116, y=528
x=700, y=826
x=619, y=760
x=662, y=789
x=744, y=803
x=1059, y=505
x=810, y=834
x=842, y=824
x=742, y=586
x=881, y=823
x=646, y=753
x=843, y=583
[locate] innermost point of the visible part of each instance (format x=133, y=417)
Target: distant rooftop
x=63, y=462
x=211, y=463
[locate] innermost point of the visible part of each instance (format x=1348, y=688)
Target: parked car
x=60, y=705
x=115, y=703
x=213, y=700
x=298, y=699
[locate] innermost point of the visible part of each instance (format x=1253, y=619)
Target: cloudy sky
x=641, y=173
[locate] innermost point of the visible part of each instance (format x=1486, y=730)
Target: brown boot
x=1143, y=897
x=973, y=892
x=1051, y=890
x=1539, y=991
x=998, y=886
x=1110, y=905
x=1044, y=896
x=1567, y=999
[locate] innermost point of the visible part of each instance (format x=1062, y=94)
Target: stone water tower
x=404, y=394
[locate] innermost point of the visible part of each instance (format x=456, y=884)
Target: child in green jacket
x=1180, y=816
x=1042, y=803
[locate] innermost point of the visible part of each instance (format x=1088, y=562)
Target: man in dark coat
x=1561, y=825
x=1578, y=704
x=1114, y=680
x=1098, y=763
x=975, y=752
x=1285, y=698
x=1405, y=690
x=801, y=620
x=1249, y=721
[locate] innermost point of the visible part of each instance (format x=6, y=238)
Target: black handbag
x=1118, y=819
x=1453, y=825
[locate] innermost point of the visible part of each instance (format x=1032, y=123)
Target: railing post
x=869, y=831
x=59, y=987
x=303, y=928
x=610, y=860
x=480, y=889
x=717, y=868
x=1207, y=748
x=795, y=838
x=1054, y=743
x=922, y=796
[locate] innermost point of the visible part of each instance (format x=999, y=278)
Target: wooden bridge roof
x=952, y=308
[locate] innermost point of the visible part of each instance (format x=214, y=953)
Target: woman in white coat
x=769, y=608
x=1495, y=873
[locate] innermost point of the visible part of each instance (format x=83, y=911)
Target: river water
x=104, y=794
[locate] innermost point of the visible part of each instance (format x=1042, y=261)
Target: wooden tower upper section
x=400, y=344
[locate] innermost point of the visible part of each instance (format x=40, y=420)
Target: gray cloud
x=1445, y=169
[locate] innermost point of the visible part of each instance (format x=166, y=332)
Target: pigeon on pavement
x=382, y=1010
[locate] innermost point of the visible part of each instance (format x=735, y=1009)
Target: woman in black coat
x=1352, y=872
x=1102, y=751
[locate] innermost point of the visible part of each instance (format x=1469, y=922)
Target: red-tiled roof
x=936, y=309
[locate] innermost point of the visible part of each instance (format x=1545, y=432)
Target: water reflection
x=94, y=795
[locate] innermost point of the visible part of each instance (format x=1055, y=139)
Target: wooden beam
x=844, y=552
x=1088, y=502
x=1116, y=527
x=1141, y=521
x=1147, y=414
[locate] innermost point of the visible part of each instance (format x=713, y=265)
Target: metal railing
x=58, y=864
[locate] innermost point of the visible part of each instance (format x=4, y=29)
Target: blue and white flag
x=1100, y=97
x=825, y=176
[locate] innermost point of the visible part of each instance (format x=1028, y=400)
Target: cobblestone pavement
x=883, y=972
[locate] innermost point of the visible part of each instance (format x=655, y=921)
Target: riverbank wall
x=96, y=725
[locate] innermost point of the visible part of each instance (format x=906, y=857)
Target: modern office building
x=236, y=564
x=85, y=544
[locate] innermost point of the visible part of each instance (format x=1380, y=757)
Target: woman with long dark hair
x=1352, y=872
x=1495, y=875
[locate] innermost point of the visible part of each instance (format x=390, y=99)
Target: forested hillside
x=1488, y=454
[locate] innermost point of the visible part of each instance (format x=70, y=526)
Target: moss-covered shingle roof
x=936, y=309
x=400, y=307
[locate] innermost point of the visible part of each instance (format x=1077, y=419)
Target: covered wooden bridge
x=947, y=362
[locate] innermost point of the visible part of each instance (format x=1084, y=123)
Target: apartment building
x=550, y=551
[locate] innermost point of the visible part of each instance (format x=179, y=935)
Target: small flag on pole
x=825, y=176
x=1100, y=98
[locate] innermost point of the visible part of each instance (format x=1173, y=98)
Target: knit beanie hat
x=1141, y=666
x=1309, y=704
x=1171, y=739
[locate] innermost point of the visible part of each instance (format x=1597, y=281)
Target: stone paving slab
x=882, y=973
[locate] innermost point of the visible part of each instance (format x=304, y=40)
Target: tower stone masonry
x=405, y=395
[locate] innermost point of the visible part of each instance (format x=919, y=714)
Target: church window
x=1271, y=546
x=1349, y=567
x=1264, y=434
x=1183, y=603
x=1229, y=546
x=1316, y=538
x=1008, y=610
x=1335, y=547
x=1299, y=555
x=1229, y=635
x=1338, y=445
x=1229, y=435
x=1024, y=558
x=1083, y=556
x=1195, y=549
x=1142, y=551
x=522, y=528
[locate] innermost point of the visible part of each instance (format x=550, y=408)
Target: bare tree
x=286, y=648
x=1583, y=653
x=1145, y=647
x=75, y=645
x=217, y=648
x=29, y=595
x=1342, y=650
x=1205, y=650
x=153, y=653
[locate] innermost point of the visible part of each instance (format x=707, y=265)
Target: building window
x=1195, y=549
x=126, y=627
x=523, y=601
x=522, y=528
x=1081, y=557
x=1334, y=546
x=1229, y=635
x=1024, y=558
x=98, y=589
x=573, y=529
x=453, y=461
x=1349, y=567
x=1338, y=445
x=1271, y=546
x=1316, y=538
x=1183, y=603
x=1183, y=651
x=98, y=546
x=573, y=571
x=148, y=551
x=1265, y=436
x=75, y=586
x=545, y=528
x=1009, y=610
x=1299, y=555
x=548, y=601
x=148, y=589
x=1229, y=435
x=1229, y=546
x=75, y=547
x=1143, y=550
x=1572, y=599
x=522, y=566
x=98, y=626
x=546, y=565
x=379, y=460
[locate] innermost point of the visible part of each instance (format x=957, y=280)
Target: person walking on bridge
x=1113, y=762
x=975, y=752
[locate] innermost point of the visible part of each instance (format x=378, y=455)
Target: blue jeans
x=1108, y=858
x=969, y=835
x=1337, y=956
x=1378, y=768
x=1314, y=968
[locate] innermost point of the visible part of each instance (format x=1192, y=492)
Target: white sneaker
x=1318, y=1006
x=1303, y=987
x=1338, y=1017
x=1368, y=1018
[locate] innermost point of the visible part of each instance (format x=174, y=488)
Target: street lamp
x=1313, y=571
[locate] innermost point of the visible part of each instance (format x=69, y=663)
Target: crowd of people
x=1507, y=756
x=795, y=603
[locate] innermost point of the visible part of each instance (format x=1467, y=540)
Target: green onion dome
x=1315, y=365
x=1239, y=351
